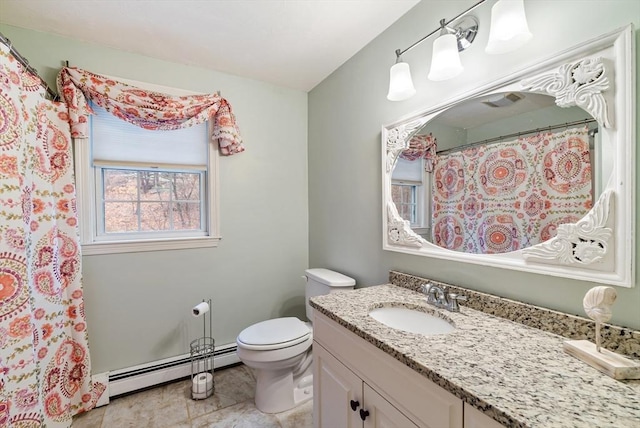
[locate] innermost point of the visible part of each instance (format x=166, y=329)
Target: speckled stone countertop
x=516, y=374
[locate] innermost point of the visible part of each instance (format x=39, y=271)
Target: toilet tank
x=324, y=281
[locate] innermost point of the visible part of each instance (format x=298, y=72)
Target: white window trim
x=86, y=200
x=423, y=200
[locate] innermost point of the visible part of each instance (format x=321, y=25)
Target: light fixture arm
x=400, y=52
x=444, y=29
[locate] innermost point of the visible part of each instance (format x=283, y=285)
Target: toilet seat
x=273, y=334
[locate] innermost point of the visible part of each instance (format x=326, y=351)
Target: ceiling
x=471, y=113
x=294, y=43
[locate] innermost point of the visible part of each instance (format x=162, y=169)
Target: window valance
x=146, y=109
x=422, y=147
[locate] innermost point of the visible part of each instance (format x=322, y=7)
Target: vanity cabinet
x=345, y=400
x=349, y=369
x=474, y=418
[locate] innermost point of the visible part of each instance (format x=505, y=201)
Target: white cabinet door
x=337, y=392
x=474, y=418
x=381, y=414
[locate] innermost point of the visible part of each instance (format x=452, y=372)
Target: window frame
x=413, y=204
x=422, y=191
x=93, y=243
x=102, y=235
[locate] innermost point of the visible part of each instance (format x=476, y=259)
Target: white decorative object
x=581, y=83
x=582, y=243
x=399, y=231
x=397, y=139
x=597, y=76
x=597, y=304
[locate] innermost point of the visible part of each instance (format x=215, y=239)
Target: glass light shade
x=445, y=60
x=400, y=83
x=509, y=28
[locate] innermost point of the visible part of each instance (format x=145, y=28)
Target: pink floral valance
x=422, y=147
x=146, y=109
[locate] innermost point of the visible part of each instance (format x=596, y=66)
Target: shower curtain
x=44, y=359
x=498, y=198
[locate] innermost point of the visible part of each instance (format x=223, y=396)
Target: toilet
x=279, y=350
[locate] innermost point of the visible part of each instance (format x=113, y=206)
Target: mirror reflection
x=499, y=173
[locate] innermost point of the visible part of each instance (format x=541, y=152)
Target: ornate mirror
x=534, y=172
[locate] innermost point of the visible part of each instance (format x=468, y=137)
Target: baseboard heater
x=131, y=379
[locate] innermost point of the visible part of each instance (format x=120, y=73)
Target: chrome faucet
x=436, y=295
x=441, y=298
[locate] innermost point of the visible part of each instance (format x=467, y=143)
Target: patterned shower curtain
x=503, y=197
x=44, y=362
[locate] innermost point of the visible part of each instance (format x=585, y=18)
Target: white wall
x=346, y=112
x=138, y=305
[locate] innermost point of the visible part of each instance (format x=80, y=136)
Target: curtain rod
x=22, y=60
x=518, y=134
x=400, y=52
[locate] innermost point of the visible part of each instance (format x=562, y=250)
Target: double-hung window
x=145, y=190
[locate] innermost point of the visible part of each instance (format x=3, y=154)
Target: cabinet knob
x=364, y=414
x=354, y=405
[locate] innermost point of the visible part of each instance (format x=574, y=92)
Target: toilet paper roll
x=202, y=386
x=200, y=309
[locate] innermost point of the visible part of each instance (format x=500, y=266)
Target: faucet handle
x=425, y=288
x=453, y=301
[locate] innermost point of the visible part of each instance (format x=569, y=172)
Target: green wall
x=346, y=112
x=138, y=305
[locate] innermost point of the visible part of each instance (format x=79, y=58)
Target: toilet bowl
x=279, y=350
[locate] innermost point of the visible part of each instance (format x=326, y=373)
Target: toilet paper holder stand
x=202, y=355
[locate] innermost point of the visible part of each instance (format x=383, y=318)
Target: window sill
x=114, y=247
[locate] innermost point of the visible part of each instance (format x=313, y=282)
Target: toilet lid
x=275, y=331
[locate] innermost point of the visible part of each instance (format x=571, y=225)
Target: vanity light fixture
x=509, y=28
x=511, y=31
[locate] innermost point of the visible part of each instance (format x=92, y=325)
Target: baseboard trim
x=134, y=378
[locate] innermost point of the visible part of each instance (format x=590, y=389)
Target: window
x=138, y=201
x=144, y=190
x=410, y=191
x=405, y=197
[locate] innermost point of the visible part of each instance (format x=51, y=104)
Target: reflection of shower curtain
x=507, y=196
x=44, y=362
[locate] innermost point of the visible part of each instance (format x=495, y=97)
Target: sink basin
x=411, y=320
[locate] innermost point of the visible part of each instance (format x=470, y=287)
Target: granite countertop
x=518, y=375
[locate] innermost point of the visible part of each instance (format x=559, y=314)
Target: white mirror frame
x=598, y=76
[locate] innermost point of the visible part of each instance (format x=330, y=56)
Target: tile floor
x=171, y=406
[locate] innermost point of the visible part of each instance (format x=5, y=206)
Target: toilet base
x=279, y=390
